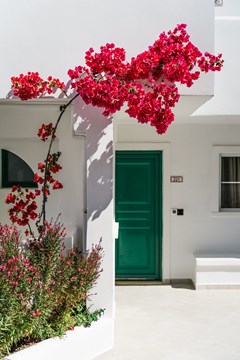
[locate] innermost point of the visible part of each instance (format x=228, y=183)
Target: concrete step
x=217, y=272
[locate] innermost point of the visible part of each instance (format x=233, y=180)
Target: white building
x=197, y=217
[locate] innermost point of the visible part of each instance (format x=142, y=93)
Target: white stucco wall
x=226, y=93
x=52, y=36
x=201, y=230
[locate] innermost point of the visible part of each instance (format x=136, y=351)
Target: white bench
x=217, y=272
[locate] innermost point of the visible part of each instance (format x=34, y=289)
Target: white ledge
x=227, y=18
x=41, y=101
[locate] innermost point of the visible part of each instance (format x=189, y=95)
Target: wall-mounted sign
x=176, y=179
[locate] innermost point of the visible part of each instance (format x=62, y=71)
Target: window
x=225, y=173
x=15, y=171
x=230, y=182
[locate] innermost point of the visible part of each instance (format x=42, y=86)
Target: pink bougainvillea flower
x=31, y=86
x=57, y=185
x=41, y=167
x=45, y=131
x=10, y=199
x=38, y=179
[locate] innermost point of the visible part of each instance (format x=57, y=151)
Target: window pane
x=15, y=171
x=230, y=196
x=18, y=170
x=230, y=168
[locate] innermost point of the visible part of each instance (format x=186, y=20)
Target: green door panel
x=138, y=196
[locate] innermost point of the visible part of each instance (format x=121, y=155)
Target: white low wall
x=81, y=343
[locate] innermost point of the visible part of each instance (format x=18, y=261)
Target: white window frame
x=218, y=152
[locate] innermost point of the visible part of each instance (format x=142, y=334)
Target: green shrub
x=42, y=292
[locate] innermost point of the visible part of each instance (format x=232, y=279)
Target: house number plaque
x=176, y=179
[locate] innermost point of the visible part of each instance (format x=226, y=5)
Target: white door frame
x=165, y=147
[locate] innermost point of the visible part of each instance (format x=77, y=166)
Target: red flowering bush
x=40, y=289
x=148, y=82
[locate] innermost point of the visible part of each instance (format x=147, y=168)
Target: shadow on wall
x=99, y=156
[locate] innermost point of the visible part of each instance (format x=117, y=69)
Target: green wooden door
x=138, y=195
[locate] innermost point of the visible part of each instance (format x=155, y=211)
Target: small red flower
x=57, y=185
x=38, y=179
x=37, y=313
x=37, y=192
x=10, y=199
x=45, y=131
x=41, y=167
x=14, y=188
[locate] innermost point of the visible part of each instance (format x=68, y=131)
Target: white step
x=217, y=272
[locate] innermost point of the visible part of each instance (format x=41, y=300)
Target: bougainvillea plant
x=147, y=84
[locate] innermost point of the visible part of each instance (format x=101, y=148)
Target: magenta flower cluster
x=147, y=83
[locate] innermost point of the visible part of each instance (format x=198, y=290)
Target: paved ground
x=165, y=323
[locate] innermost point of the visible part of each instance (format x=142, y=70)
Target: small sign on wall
x=176, y=179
